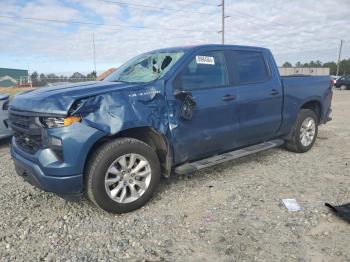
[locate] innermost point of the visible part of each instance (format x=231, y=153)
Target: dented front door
x=203, y=109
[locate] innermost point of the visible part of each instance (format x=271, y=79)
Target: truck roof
x=194, y=47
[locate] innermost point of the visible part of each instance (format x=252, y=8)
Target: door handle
x=274, y=92
x=228, y=97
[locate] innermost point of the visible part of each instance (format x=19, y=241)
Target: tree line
x=44, y=79
x=344, y=66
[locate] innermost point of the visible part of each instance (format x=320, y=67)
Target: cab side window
x=206, y=70
x=249, y=67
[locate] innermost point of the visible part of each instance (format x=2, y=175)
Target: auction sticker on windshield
x=208, y=60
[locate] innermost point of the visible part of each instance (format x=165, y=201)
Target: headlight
x=56, y=122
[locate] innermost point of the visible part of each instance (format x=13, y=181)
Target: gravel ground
x=231, y=212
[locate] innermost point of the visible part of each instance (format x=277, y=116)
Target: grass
x=12, y=91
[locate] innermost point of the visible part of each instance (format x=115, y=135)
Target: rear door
x=260, y=96
x=212, y=128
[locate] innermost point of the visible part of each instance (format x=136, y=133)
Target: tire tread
x=293, y=144
x=98, y=156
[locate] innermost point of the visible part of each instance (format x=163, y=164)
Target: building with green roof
x=13, y=77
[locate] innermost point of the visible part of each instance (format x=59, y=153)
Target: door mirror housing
x=188, y=104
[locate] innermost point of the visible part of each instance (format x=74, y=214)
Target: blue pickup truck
x=174, y=110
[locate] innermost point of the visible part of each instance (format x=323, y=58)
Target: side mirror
x=188, y=104
x=180, y=94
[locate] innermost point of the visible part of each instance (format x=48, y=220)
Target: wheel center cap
x=126, y=176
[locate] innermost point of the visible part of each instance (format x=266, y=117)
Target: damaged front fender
x=116, y=111
x=131, y=113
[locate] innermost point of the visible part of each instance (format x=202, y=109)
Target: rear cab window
x=205, y=70
x=249, y=67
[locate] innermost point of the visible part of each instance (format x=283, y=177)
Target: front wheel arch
x=98, y=178
x=148, y=135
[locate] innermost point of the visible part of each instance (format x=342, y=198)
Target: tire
x=343, y=87
x=105, y=159
x=296, y=144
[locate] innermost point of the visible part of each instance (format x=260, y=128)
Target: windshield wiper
x=120, y=81
x=138, y=83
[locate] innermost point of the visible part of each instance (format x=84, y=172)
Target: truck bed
x=299, y=89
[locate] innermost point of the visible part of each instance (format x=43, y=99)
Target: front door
x=212, y=125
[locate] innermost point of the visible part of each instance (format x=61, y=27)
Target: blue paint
x=257, y=112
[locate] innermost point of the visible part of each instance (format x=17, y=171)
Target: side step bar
x=217, y=159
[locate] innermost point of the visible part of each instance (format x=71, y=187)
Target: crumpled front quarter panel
x=116, y=111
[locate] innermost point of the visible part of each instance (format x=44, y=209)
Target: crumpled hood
x=59, y=99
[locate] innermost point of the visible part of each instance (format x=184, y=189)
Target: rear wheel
x=123, y=175
x=343, y=87
x=304, y=132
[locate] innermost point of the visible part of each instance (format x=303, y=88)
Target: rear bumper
x=328, y=116
x=68, y=187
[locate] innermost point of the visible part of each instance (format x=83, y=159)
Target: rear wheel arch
x=294, y=140
x=315, y=106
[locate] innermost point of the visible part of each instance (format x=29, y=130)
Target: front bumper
x=44, y=170
x=69, y=187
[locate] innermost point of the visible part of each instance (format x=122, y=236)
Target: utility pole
x=223, y=17
x=341, y=45
x=223, y=22
x=93, y=42
x=29, y=77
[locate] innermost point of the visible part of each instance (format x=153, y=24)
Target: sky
x=56, y=36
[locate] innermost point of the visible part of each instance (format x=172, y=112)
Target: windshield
x=146, y=67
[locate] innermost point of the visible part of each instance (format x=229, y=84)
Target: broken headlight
x=56, y=122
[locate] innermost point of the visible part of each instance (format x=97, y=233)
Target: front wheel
x=304, y=132
x=123, y=175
